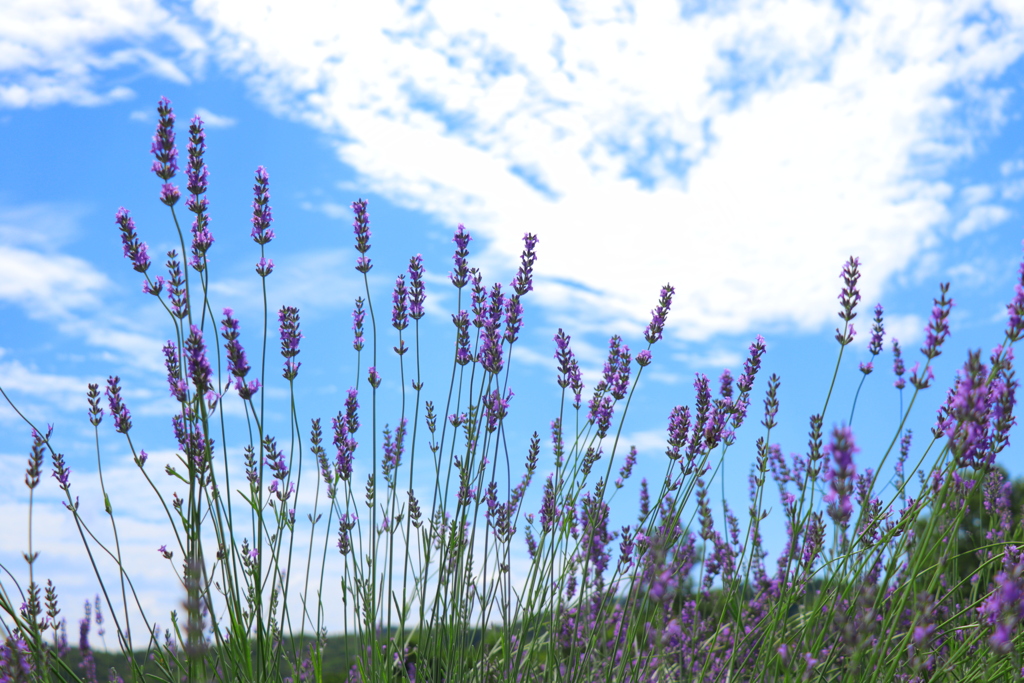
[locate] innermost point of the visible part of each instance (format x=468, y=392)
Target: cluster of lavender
x=884, y=600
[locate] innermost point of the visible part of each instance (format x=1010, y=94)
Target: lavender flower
x=568, y=367
x=938, y=327
x=197, y=174
x=1015, y=309
x=35, y=460
x=841, y=474
x=496, y=408
x=523, y=282
x=461, y=275
x=179, y=388
x=238, y=366
x=176, y=287
x=261, y=214
x=264, y=266
x=897, y=364
x=1004, y=609
x=399, y=308
x=491, y=356
x=678, y=428
x=198, y=366
x=875, y=347
x=358, y=315
x=133, y=248
x=166, y=163
x=660, y=313
x=393, y=452
x=290, y=336
x=417, y=295
x=122, y=418
x=95, y=411
x=463, y=355
x=513, y=318
x=362, y=229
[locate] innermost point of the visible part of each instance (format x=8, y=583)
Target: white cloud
x=211, y=120
x=740, y=156
x=1011, y=167
x=52, y=52
x=976, y=194
x=980, y=218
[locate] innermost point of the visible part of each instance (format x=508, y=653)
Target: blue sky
x=742, y=155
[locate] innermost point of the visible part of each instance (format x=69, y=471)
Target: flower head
x=399, y=307
x=358, y=315
x=122, y=418
x=841, y=474
x=417, y=295
x=134, y=249
x=166, y=164
x=197, y=173
x=461, y=275
x=524, y=278
x=938, y=326
x=657, y=325
x=290, y=336
x=261, y=216
x=897, y=364
x=362, y=229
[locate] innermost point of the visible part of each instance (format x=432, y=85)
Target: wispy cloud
x=56, y=51
x=211, y=120
x=741, y=156
x=980, y=218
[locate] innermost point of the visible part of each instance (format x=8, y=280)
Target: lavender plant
x=869, y=585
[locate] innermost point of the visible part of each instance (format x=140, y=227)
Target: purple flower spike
x=938, y=326
x=850, y=296
x=197, y=174
x=496, y=407
x=166, y=164
x=1003, y=608
x=290, y=336
x=122, y=418
x=513, y=318
x=657, y=326
x=678, y=428
x=1015, y=327
x=198, y=366
x=358, y=315
x=524, y=278
x=463, y=355
x=238, y=366
x=169, y=194
x=417, y=295
x=264, y=267
x=461, y=275
x=897, y=364
x=362, y=228
x=751, y=366
x=374, y=378
x=399, y=301
x=133, y=248
x=261, y=217
x=875, y=347
x=490, y=348
x=568, y=367
x=841, y=475
x=179, y=389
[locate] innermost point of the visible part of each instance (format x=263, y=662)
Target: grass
x=867, y=588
